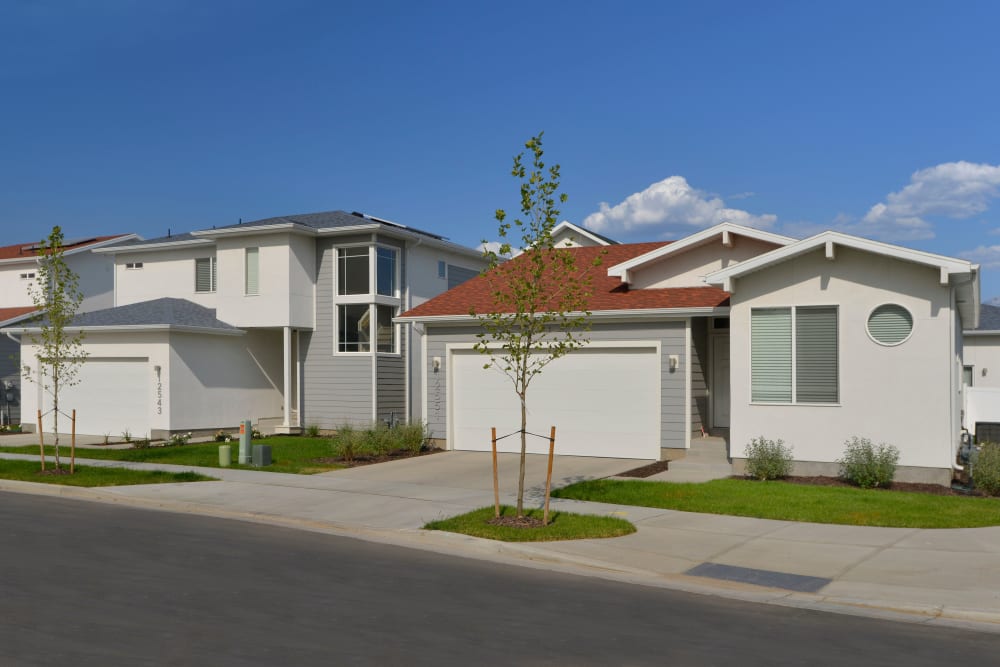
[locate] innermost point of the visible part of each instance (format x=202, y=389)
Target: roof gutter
x=597, y=315
x=162, y=245
x=132, y=328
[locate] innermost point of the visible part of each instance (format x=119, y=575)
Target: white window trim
x=913, y=324
x=371, y=299
x=794, y=400
x=213, y=272
x=246, y=271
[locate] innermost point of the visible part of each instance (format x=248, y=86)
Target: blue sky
x=876, y=118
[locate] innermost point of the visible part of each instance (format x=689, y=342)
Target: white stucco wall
x=983, y=354
x=13, y=288
x=901, y=395
x=151, y=346
x=165, y=273
x=688, y=267
x=218, y=381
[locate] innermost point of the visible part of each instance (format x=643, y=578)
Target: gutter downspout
x=954, y=433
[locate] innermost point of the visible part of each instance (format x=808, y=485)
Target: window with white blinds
x=890, y=324
x=252, y=271
x=804, y=365
x=204, y=274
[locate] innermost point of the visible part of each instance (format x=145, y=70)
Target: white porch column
x=287, y=377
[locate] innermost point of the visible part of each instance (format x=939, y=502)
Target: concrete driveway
x=474, y=471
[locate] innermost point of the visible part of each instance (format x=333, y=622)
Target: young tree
x=540, y=298
x=56, y=292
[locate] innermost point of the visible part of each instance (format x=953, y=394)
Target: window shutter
x=771, y=355
x=890, y=324
x=816, y=355
x=204, y=274
x=253, y=271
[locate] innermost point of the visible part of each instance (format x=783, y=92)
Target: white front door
x=720, y=381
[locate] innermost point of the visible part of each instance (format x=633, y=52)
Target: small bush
x=312, y=431
x=347, y=443
x=141, y=443
x=412, y=437
x=986, y=469
x=867, y=465
x=180, y=438
x=223, y=436
x=377, y=441
x=768, y=459
x=126, y=436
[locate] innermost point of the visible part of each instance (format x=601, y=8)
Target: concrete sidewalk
x=936, y=576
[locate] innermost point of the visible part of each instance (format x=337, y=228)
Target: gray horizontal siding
x=670, y=334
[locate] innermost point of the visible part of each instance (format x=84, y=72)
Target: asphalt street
x=95, y=584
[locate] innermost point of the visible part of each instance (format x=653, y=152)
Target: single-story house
x=732, y=331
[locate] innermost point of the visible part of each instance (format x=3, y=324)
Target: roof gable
x=725, y=231
x=607, y=293
x=568, y=235
x=29, y=251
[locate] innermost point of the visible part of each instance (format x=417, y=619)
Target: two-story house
x=287, y=321
x=18, y=271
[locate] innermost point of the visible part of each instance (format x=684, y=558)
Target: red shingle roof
x=25, y=251
x=608, y=293
x=11, y=313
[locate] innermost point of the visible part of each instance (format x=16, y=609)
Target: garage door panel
x=111, y=396
x=603, y=402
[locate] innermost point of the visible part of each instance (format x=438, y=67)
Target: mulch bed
x=645, y=471
x=516, y=522
x=397, y=455
x=909, y=487
x=817, y=480
x=54, y=471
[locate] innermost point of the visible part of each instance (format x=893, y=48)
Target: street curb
x=528, y=555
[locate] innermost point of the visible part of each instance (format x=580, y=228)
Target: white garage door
x=603, y=402
x=111, y=397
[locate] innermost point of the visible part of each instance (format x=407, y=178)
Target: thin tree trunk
x=524, y=452
x=55, y=417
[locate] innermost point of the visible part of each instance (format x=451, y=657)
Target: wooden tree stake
x=41, y=440
x=548, y=475
x=72, y=445
x=496, y=477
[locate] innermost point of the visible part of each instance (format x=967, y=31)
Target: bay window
x=366, y=296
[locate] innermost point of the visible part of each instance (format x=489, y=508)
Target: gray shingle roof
x=326, y=220
x=173, y=238
x=159, y=312
x=989, y=318
x=323, y=220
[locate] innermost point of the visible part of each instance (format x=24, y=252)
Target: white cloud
x=988, y=257
x=671, y=202
x=954, y=190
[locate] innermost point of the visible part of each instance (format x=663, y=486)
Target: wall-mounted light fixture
x=436, y=364
x=674, y=360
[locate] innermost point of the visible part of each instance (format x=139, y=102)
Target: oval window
x=890, y=324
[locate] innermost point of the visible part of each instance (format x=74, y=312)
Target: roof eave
x=618, y=314
x=150, y=247
x=134, y=328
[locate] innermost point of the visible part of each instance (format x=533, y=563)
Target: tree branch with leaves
x=55, y=292
x=540, y=298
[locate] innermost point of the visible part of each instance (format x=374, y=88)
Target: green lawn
x=562, y=526
x=293, y=454
x=796, y=502
x=28, y=471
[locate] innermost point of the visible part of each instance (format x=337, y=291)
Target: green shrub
x=768, y=459
x=412, y=437
x=377, y=441
x=178, y=439
x=867, y=465
x=986, y=469
x=312, y=431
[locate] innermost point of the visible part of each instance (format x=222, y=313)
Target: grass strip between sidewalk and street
x=795, y=502
x=30, y=471
x=562, y=526
x=292, y=454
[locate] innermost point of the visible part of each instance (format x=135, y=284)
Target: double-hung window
x=794, y=356
x=251, y=271
x=204, y=274
x=366, y=299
